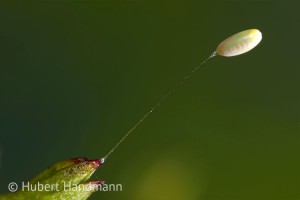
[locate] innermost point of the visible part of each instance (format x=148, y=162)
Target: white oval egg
x=239, y=43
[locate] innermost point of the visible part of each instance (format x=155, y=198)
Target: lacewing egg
x=239, y=43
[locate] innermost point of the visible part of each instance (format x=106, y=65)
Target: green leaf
x=64, y=180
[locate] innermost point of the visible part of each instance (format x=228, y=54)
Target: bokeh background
x=76, y=75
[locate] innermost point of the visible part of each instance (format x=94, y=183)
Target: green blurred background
x=76, y=75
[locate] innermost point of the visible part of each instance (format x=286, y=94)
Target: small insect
x=237, y=44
